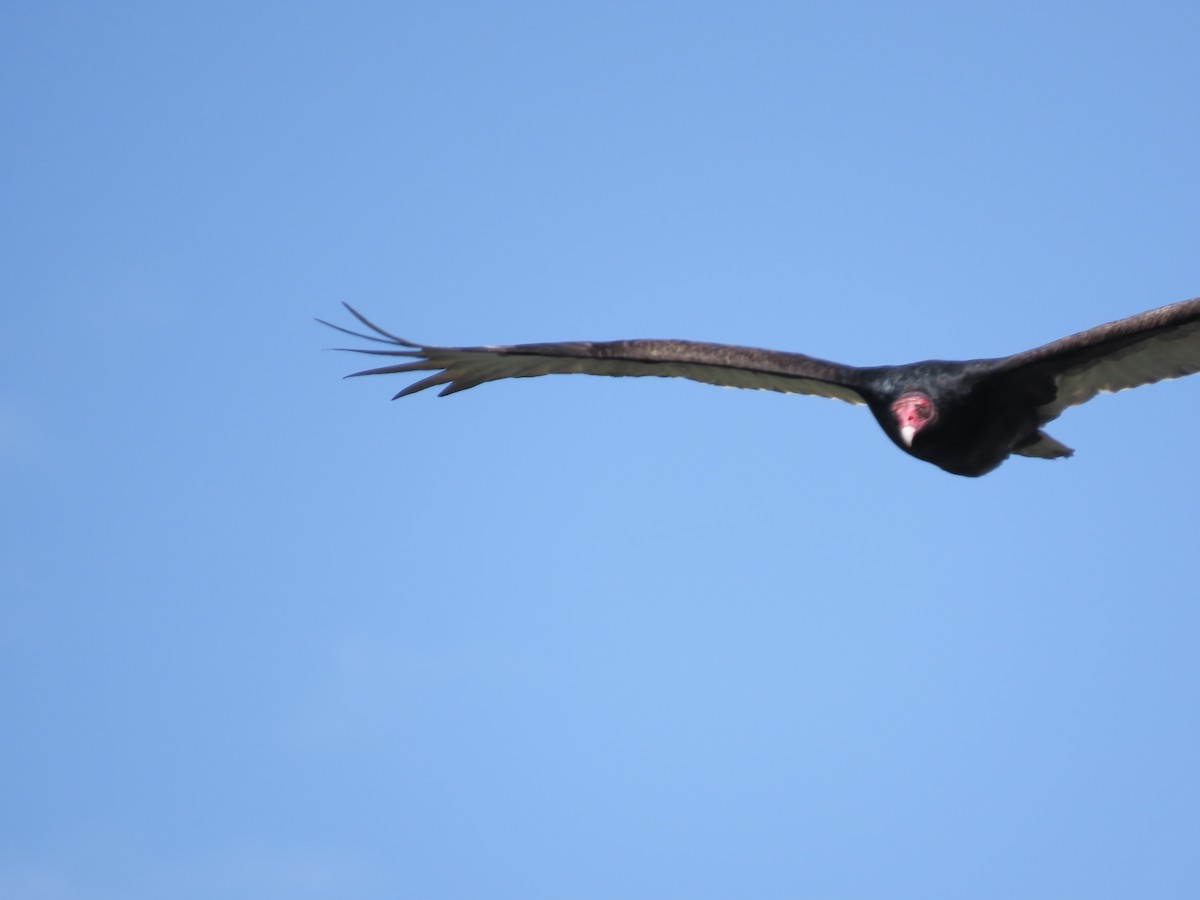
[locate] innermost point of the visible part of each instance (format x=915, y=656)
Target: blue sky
x=265, y=634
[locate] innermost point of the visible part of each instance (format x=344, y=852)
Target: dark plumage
x=965, y=417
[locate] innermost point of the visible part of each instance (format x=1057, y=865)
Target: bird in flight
x=965, y=417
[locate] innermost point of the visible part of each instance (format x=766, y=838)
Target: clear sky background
x=265, y=634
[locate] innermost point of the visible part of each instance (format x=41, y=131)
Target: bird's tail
x=1042, y=446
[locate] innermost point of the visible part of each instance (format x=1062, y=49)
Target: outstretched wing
x=459, y=368
x=1152, y=346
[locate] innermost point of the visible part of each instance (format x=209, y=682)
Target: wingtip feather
x=387, y=334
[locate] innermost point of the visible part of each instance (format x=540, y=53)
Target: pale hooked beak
x=906, y=435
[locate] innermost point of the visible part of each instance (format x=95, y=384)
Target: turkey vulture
x=965, y=417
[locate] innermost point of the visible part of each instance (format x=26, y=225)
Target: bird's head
x=912, y=412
